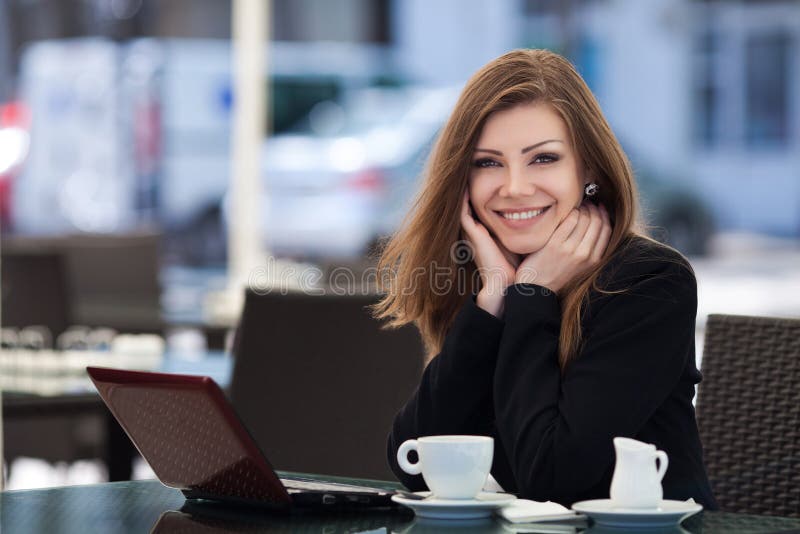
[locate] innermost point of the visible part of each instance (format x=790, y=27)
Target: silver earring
x=591, y=189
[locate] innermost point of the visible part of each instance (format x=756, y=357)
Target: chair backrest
x=317, y=381
x=748, y=412
x=114, y=280
x=105, y=280
x=34, y=290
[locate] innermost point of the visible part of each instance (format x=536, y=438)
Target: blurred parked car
x=346, y=174
x=14, y=143
x=675, y=214
x=190, y=80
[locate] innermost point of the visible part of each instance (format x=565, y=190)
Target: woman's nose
x=517, y=184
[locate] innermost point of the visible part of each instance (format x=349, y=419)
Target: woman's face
x=525, y=176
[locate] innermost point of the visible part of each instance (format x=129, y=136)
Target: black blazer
x=635, y=376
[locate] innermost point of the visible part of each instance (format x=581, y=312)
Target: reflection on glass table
x=144, y=506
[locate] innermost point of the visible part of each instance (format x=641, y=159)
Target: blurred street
x=749, y=275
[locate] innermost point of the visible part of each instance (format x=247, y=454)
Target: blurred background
x=116, y=121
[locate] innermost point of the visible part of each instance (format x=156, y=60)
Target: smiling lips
x=520, y=217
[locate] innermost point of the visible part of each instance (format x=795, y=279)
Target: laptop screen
x=190, y=436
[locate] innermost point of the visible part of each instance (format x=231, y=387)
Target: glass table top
x=148, y=506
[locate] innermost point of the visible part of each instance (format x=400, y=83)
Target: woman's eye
x=485, y=162
x=545, y=158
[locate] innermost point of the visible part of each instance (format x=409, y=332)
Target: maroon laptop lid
x=189, y=434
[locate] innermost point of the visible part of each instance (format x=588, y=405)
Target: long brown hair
x=429, y=241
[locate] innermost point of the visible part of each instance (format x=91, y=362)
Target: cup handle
x=663, y=463
x=402, y=457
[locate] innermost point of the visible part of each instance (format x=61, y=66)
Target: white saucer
x=432, y=508
x=668, y=514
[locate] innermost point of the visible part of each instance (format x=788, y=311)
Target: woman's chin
x=522, y=249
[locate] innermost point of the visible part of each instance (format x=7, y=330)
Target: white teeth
x=523, y=215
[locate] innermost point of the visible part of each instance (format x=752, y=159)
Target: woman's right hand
x=496, y=265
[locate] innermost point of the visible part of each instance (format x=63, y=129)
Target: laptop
x=187, y=431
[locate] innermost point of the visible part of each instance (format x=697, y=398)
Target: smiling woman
x=514, y=184
x=564, y=325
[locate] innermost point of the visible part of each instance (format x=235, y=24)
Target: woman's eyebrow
x=523, y=151
x=529, y=148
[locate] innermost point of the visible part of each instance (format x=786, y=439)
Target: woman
x=572, y=326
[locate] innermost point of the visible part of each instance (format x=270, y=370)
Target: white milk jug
x=637, y=482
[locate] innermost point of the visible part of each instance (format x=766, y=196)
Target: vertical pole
x=250, y=40
x=250, y=21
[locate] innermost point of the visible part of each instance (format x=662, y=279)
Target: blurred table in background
x=183, y=300
x=73, y=423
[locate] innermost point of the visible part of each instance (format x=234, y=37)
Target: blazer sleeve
x=557, y=428
x=455, y=393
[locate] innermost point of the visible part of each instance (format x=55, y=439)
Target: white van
x=140, y=132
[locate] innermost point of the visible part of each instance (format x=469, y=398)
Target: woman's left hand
x=577, y=245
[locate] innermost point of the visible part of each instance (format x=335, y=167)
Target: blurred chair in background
x=35, y=292
x=86, y=279
x=114, y=281
x=317, y=382
x=748, y=412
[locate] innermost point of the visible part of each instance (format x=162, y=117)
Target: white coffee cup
x=453, y=467
x=637, y=482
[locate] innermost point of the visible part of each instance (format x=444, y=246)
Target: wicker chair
x=748, y=412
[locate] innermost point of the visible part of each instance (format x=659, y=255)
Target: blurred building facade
x=711, y=91
x=707, y=91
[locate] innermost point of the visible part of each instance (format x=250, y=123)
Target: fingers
x=565, y=227
x=591, y=232
x=473, y=227
x=584, y=220
x=496, y=264
x=595, y=240
x=605, y=236
x=467, y=222
x=474, y=230
x=594, y=225
x=573, y=228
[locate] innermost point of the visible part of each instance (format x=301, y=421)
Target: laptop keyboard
x=316, y=485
